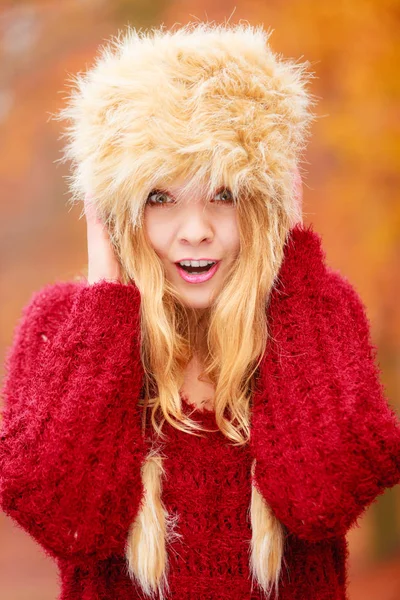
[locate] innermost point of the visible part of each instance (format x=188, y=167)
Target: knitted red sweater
x=325, y=439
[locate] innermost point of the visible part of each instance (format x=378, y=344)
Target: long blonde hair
x=213, y=106
x=236, y=340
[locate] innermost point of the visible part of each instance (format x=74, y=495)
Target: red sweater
x=325, y=439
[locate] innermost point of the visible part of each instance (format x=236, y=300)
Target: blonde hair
x=214, y=106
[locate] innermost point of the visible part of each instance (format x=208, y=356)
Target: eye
x=155, y=198
x=226, y=196
x=157, y=194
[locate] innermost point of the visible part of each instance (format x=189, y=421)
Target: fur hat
x=210, y=104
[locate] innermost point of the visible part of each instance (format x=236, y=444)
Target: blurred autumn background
x=351, y=181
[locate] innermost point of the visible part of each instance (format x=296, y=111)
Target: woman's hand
x=298, y=191
x=298, y=187
x=102, y=260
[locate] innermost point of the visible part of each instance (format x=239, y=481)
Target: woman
x=194, y=430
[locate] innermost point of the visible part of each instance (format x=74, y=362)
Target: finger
x=298, y=186
x=90, y=210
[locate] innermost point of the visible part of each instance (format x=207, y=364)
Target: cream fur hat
x=211, y=104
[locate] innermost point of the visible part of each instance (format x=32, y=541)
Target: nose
x=196, y=225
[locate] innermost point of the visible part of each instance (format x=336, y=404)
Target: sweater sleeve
x=71, y=447
x=325, y=439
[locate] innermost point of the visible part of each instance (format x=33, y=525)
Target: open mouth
x=195, y=270
x=193, y=274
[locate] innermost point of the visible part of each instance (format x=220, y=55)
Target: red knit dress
x=325, y=440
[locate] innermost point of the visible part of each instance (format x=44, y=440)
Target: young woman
x=189, y=430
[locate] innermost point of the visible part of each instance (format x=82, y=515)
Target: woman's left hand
x=298, y=192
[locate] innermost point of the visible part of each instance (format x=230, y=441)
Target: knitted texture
x=325, y=440
x=71, y=433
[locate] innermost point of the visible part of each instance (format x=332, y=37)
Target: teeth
x=196, y=263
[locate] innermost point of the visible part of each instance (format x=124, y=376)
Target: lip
x=191, y=258
x=198, y=277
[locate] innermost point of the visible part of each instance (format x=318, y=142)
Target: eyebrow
x=170, y=193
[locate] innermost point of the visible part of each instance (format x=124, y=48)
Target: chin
x=196, y=302
x=196, y=305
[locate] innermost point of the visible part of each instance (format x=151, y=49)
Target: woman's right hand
x=102, y=260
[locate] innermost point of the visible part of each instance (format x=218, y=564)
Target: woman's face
x=193, y=229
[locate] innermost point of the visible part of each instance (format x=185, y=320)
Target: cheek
x=152, y=230
x=229, y=232
x=158, y=238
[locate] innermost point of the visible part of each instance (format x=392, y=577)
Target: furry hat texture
x=208, y=104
